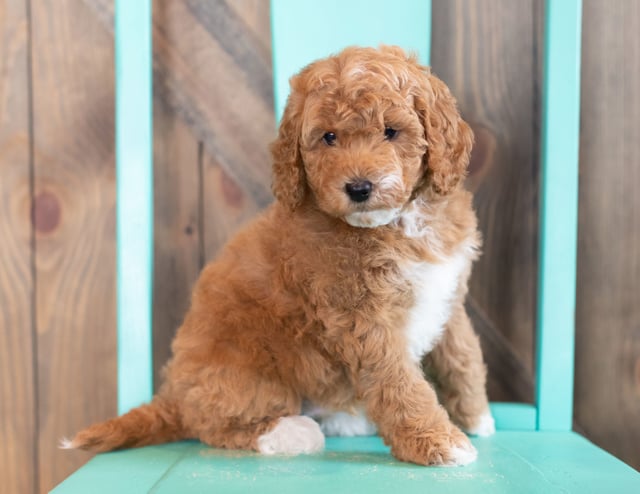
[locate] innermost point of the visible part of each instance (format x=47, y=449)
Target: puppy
x=345, y=291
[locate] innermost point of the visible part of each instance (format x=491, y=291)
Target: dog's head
x=364, y=133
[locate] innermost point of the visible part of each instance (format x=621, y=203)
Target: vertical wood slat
x=302, y=32
x=74, y=202
x=178, y=235
x=177, y=229
x=607, y=381
x=134, y=205
x=558, y=215
x=18, y=394
x=487, y=52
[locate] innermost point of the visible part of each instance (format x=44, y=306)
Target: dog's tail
x=155, y=423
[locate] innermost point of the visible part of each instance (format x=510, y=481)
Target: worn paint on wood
x=507, y=462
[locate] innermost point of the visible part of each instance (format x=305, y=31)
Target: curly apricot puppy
x=335, y=295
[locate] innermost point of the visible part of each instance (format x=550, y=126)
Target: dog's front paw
x=484, y=426
x=444, y=445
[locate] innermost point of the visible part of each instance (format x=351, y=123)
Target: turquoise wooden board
x=514, y=416
x=303, y=31
x=134, y=201
x=522, y=462
x=558, y=215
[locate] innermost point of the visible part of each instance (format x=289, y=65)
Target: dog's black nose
x=359, y=191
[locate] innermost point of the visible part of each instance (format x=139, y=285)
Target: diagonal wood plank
x=227, y=204
x=226, y=24
x=18, y=400
x=231, y=120
x=509, y=379
x=213, y=92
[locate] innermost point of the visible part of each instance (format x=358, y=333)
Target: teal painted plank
x=305, y=31
x=130, y=471
x=134, y=205
x=558, y=215
x=523, y=462
x=514, y=416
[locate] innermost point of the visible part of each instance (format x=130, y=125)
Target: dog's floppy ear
x=289, y=182
x=449, y=138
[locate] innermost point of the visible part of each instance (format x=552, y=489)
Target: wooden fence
x=213, y=120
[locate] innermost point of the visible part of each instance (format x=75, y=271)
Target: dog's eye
x=389, y=133
x=329, y=138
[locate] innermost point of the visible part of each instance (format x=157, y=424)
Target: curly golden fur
x=332, y=300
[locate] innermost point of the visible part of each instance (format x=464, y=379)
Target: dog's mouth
x=372, y=219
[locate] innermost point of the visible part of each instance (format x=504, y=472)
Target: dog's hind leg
x=460, y=376
x=241, y=408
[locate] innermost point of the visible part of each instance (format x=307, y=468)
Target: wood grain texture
x=229, y=201
x=75, y=244
x=607, y=392
x=193, y=41
x=178, y=228
x=216, y=76
x=211, y=58
x=227, y=206
x=178, y=212
x=487, y=53
x=213, y=86
x=18, y=427
x=509, y=376
x=236, y=182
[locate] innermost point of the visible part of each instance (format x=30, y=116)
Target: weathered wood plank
x=75, y=245
x=227, y=206
x=18, y=427
x=510, y=379
x=215, y=93
x=486, y=52
x=178, y=229
x=178, y=216
x=228, y=201
x=607, y=391
x=210, y=81
x=204, y=195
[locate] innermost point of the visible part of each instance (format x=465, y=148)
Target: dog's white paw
x=485, y=427
x=347, y=425
x=463, y=455
x=293, y=435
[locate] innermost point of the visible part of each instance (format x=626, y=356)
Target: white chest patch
x=434, y=286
